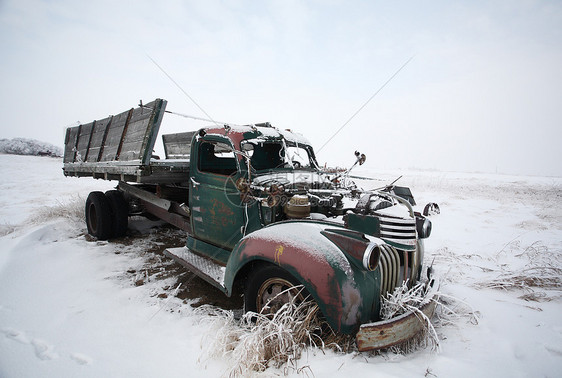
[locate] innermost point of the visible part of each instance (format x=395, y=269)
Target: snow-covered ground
x=70, y=306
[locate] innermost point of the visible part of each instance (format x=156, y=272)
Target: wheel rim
x=274, y=293
x=92, y=218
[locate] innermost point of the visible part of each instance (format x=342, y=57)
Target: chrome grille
x=398, y=230
x=390, y=269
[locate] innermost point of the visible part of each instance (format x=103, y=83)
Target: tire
x=119, y=213
x=265, y=284
x=98, y=216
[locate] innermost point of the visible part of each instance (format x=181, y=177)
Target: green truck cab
x=262, y=216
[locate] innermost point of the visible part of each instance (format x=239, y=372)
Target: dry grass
x=535, y=269
x=404, y=300
x=259, y=341
x=6, y=229
x=542, y=270
x=543, y=277
x=451, y=310
x=72, y=209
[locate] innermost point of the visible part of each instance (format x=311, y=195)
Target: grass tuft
x=72, y=209
x=403, y=300
x=256, y=342
x=542, y=271
x=6, y=229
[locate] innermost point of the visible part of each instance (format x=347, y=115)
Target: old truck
x=261, y=216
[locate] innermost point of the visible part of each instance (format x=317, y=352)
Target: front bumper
x=395, y=331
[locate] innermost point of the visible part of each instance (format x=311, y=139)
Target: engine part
x=298, y=207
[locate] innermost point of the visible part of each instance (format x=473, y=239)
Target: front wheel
x=269, y=288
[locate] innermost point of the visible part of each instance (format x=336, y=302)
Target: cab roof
x=258, y=133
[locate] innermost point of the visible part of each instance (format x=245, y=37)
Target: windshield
x=271, y=155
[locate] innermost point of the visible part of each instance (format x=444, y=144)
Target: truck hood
x=293, y=180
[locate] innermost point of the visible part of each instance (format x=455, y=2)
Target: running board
x=203, y=267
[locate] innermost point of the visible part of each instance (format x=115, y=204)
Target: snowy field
x=74, y=307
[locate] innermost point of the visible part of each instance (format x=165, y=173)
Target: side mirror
x=360, y=157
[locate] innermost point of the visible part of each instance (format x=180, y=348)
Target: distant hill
x=25, y=146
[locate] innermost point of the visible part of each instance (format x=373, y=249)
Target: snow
x=69, y=307
x=294, y=137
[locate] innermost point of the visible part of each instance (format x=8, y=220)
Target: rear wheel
x=98, y=216
x=119, y=212
x=269, y=288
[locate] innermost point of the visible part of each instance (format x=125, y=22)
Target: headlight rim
x=373, y=250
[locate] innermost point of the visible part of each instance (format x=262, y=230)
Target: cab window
x=216, y=157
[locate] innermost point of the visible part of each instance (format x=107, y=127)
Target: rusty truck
x=261, y=215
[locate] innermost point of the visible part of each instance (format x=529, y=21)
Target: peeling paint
x=352, y=303
x=278, y=253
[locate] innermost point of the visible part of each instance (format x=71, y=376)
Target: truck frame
x=260, y=215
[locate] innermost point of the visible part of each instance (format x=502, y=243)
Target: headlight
x=423, y=227
x=371, y=256
x=362, y=251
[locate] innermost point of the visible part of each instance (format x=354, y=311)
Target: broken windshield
x=271, y=155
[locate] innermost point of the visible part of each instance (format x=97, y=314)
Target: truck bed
x=120, y=148
x=168, y=171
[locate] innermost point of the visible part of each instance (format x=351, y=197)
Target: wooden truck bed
x=120, y=148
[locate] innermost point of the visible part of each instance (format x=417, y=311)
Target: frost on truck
x=260, y=215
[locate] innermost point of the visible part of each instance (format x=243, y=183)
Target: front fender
x=346, y=294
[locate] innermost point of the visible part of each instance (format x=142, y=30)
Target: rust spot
x=395, y=331
x=221, y=212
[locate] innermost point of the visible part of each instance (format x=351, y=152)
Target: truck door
x=217, y=212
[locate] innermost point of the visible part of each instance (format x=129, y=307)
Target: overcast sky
x=483, y=91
